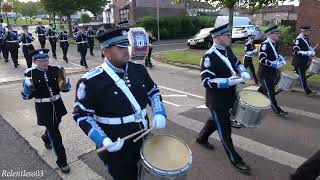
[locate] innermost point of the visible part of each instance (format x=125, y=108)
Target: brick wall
x=309, y=14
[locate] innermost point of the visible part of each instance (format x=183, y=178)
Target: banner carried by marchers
x=6, y=7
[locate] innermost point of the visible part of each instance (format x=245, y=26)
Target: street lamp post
x=158, y=20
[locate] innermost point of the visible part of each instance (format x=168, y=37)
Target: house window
x=124, y=15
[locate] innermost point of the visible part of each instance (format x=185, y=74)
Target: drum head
x=254, y=98
x=166, y=153
x=291, y=74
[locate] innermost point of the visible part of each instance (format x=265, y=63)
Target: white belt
x=63, y=40
x=26, y=44
x=92, y=36
x=12, y=41
x=82, y=42
x=41, y=34
x=51, y=99
x=122, y=120
x=52, y=36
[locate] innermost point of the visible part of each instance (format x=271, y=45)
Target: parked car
x=202, y=39
x=237, y=21
x=242, y=32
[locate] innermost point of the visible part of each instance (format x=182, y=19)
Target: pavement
x=273, y=150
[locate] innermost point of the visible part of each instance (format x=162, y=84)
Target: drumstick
x=143, y=134
x=124, y=139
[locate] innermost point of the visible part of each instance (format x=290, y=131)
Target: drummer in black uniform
x=249, y=52
x=52, y=34
x=302, y=52
x=81, y=40
x=41, y=31
x=64, y=44
x=269, y=67
x=11, y=40
x=42, y=84
x=111, y=103
x=27, y=47
x=220, y=72
x=90, y=38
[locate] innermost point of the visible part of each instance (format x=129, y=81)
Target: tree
x=230, y=4
x=85, y=18
x=68, y=7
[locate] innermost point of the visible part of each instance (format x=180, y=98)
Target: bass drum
x=139, y=43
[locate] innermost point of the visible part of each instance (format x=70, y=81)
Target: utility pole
x=158, y=20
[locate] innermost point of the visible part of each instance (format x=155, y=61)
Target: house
x=131, y=10
x=271, y=15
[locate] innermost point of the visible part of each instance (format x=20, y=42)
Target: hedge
x=175, y=27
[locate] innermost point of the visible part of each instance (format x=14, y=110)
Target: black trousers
x=53, y=43
x=14, y=55
x=2, y=48
x=268, y=87
x=64, y=46
x=248, y=64
x=83, y=52
x=26, y=53
x=220, y=121
x=91, y=44
x=309, y=170
x=148, y=58
x=5, y=52
x=123, y=164
x=42, y=41
x=52, y=135
x=302, y=78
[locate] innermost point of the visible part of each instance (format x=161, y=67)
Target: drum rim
x=294, y=78
x=162, y=172
x=241, y=102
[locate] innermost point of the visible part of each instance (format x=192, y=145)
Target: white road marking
x=268, y=152
x=291, y=110
x=202, y=107
x=189, y=94
x=170, y=103
x=174, y=95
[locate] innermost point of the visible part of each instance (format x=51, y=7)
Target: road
x=273, y=150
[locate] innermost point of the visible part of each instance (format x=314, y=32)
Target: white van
x=242, y=27
x=237, y=21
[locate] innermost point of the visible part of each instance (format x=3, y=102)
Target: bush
x=85, y=18
x=286, y=36
x=175, y=27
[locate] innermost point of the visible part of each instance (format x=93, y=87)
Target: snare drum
x=139, y=42
x=287, y=80
x=314, y=66
x=164, y=157
x=249, y=108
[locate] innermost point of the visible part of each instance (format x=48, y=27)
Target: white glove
x=27, y=81
x=280, y=64
x=245, y=75
x=113, y=146
x=255, y=50
x=312, y=53
x=281, y=58
x=159, y=121
x=233, y=80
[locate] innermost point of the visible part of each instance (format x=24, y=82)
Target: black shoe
x=65, y=169
x=235, y=124
x=242, y=166
x=91, y=54
x=281, y=112
x=6, y=60
x=16, y=65
x=311, y=93
x=205, y=144
x=86, y=66
x=48, y=145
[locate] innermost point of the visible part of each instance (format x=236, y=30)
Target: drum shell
x=248, y=116
x=286, y=82
x=314, y=67
x=139, y=43
x=148, y=172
